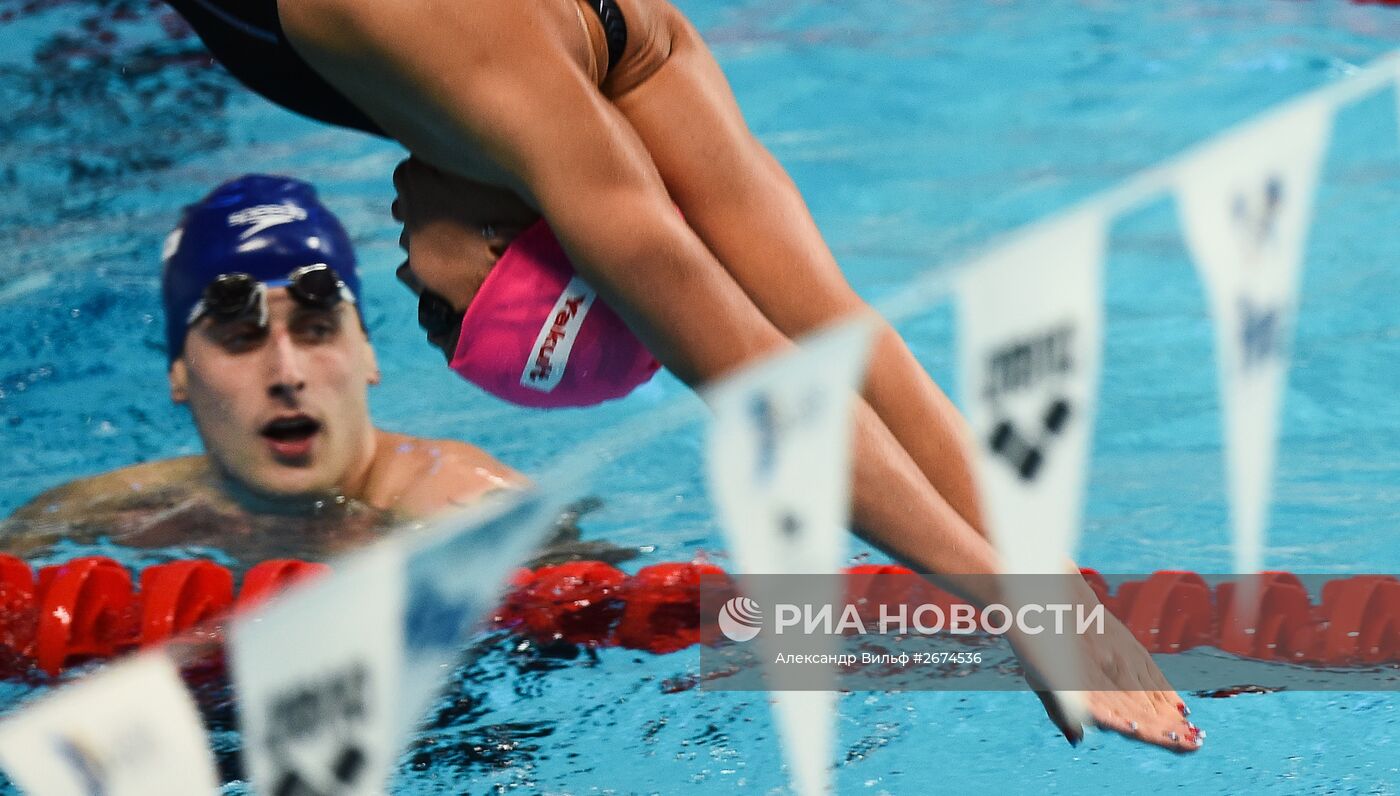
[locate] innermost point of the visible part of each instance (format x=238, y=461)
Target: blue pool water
x=918, y=130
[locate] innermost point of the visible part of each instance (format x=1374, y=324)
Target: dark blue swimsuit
x=246, y=37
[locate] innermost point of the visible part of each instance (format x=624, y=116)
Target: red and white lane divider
x=91, y=608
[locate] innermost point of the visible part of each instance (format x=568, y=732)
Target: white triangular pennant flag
x=129, y=730
x=1030, y=331
x=373, y=644
x=779, y=468
x=779, y=454
x=1030, y=318
x=317, y=674
x=456, y=572
x=1245, y=204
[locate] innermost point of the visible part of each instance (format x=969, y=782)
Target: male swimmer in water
x=603, y=117
x=268, y=349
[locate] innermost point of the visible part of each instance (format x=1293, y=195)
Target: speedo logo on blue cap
x=172, y=244
x=261, y=217
x=262, y=225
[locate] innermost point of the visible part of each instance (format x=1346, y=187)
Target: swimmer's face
x=283, y=409
x=454, y=231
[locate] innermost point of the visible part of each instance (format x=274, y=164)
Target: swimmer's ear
x=179, y=381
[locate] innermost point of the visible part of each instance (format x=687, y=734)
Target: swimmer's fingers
x=1117, y=700
x=1071, y=729
x=1145, y=717
x=1143, y=680
x=1136, y=700
x=1107, y=716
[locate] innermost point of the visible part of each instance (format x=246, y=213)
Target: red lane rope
x=89, y=608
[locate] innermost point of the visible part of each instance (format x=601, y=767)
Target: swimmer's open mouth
x=297, y=428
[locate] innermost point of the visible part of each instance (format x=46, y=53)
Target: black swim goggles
x=436, y=315
x=231, y=296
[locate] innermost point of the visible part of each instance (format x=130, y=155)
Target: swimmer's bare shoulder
x=131, y=487
x=416, y=477
x=109, y=499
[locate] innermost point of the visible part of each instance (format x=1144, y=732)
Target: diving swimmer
x=604, y=118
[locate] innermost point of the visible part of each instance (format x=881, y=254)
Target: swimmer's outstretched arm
x=746, y=209
x=492, y=91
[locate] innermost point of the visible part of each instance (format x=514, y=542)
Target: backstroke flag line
x=1030, y=334
x=779, y=466
x=129, y=730
x=1245, y=204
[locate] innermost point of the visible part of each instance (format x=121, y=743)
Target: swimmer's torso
x=246, y=37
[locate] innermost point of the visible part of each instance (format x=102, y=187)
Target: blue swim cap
x=259, y=225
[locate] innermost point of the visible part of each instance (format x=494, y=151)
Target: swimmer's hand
x=1124, y=689
x=454, y=229
x=568, y=545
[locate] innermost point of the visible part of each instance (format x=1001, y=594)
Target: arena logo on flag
x=1021, y=366
x=454, y=572
x=1030, y=321
x=1255, y=213
x=780, y=450
x=318, y=677
x=334, y=707
x=1030, y=325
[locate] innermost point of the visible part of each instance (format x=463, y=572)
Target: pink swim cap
x=537, y=335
